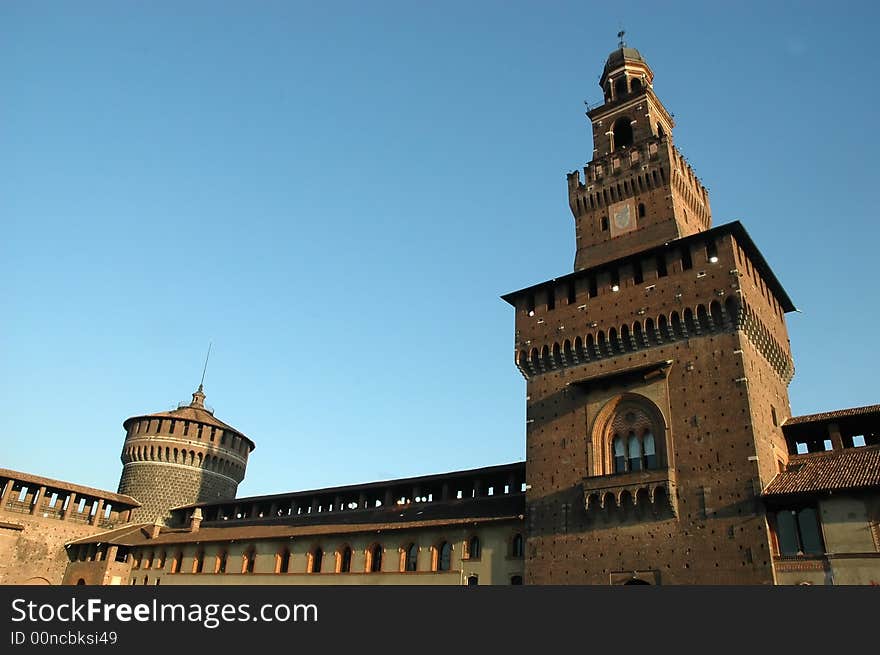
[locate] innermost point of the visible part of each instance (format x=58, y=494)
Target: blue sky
x=336, y=195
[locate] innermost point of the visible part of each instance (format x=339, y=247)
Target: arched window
x=626, y=430
x=443, y=556
x=282, y=561
x=620, y=86
x=220, y=563
x=650, y=450
x=344, y=560
x=641, y=210
x=634, y=448
x=619, y=455
x=622, y=133
x=412, y=558
x=374, y=558
x=660, y=131
x=636, y=85
x=315, y=559
x=516, y=546
x=473, y=547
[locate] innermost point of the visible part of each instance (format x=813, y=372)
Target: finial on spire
x=620, y=42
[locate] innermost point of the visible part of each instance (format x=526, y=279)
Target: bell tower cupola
x=637, y=191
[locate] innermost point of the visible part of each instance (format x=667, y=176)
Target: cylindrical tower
x=181, y=457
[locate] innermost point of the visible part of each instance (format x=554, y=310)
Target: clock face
x=622, y=217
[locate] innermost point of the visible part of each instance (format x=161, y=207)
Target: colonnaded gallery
x=660, y=446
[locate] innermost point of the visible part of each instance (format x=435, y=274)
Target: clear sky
x=336, y=195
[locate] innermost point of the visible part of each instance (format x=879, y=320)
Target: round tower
x=181, y=457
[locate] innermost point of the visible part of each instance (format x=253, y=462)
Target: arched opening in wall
x=622, y=133
x=473, y=581
x=614, y=341
x=516, y=580
x=282, y=561
x=662, y=327
x=703, y=318
x=473, y=548
x=601, y=344
x=677, y=331
x=660, y=131
x=517, y=546
x=344, y=559
x=716, y=314
x=442, y=556
x=81, y=581
x=248, y=560
x=650, y=332
x=374, y=559
x=315, y=559
x=731, y=308
x=641, y=210
x=410, y=558
x=689, y=324
x=636, y=581
x=638, y=335
x=220, y=561
x=535, y=359
x=199, y=561
x=620, y=86
x=636, y=85
x=566, y=351
x=608, y=91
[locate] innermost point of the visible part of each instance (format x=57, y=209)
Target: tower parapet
x=181, y=457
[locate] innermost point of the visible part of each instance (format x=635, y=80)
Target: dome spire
x=620, y=42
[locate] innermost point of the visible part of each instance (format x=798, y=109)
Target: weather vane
x=620, y=42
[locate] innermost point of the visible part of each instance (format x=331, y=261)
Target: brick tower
x=181, y=457
x=657, y=373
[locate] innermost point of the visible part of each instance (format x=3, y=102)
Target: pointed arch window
x=619, y=455
x=411, y=562
x=634, y=451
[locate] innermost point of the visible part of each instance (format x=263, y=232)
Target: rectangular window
x=798, y=532
x=661, y=266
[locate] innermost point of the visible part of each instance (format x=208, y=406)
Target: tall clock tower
x=638, y=189
x=657, y=372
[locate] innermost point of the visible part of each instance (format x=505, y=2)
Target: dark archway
x=622, y=133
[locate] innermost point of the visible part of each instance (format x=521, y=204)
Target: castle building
x=660, y=446
x=181, y=457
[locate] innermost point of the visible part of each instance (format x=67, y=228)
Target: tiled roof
x=851, y=468
x=80, y=490
x=827, y=416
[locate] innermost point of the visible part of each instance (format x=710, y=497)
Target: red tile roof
x=851, y=468
x=839, y=413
